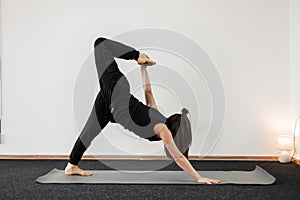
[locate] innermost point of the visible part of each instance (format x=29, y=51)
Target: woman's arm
x=166, y=136
x=150, y=101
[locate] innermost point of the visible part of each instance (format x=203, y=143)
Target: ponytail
x=184, y=111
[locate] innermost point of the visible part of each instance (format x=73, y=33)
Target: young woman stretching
x=114, y=103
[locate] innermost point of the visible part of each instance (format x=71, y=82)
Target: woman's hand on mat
x=145, y=60
x=208, y=180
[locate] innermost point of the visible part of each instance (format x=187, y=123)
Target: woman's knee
x=98, y=41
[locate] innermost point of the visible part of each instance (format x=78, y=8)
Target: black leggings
x=114, y=103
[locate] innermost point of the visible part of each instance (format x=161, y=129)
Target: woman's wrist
x=197, y=177
x=143, y=67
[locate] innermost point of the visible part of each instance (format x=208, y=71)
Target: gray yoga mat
x=256, y=176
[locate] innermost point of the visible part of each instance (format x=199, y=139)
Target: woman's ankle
x=71, y=164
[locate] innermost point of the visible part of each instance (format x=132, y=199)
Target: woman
x=115, y=104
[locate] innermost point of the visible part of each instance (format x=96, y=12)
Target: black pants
x=114, y=103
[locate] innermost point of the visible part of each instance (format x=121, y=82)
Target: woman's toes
x=85, y=173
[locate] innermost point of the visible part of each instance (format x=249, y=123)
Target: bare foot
x=145, y=60
x=75, y=170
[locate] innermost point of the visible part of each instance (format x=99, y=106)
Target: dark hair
x=180, y=127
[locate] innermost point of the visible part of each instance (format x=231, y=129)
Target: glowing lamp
x=285, y=145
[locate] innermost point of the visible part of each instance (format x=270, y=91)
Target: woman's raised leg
x=105, y=50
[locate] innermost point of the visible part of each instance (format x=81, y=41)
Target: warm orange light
x=285, y=142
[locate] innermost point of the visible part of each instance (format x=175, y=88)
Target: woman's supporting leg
x=95, y=123
x=105, y=51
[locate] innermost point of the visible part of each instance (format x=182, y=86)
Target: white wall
x=0, y=72
x=295, y=62
x=46, y=42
